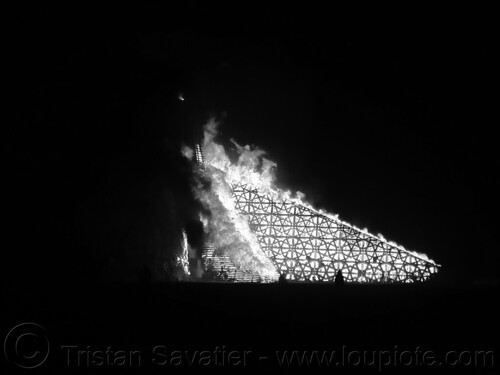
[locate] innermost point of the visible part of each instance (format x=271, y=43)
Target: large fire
x=262, y=241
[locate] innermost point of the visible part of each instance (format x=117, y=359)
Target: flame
x=229, y=231
x=183, y=258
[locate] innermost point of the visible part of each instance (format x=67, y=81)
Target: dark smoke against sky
x=389, y=128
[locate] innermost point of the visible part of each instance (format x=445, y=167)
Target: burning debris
x=260, y=228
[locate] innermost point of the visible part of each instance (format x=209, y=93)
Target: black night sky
x=387, y=122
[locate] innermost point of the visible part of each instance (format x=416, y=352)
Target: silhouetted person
x=339, y=279
x=282, y=279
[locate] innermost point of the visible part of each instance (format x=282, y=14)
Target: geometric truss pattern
x=305, y=245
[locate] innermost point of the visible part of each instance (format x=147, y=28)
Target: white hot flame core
x=227, y=230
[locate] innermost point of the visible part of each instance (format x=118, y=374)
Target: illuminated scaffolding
x=220, y=267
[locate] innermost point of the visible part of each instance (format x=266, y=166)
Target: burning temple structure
x=305, y=244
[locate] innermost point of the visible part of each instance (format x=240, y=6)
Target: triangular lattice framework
x=306, y=245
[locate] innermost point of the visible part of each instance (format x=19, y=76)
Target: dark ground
x=389, y=121
x=262, y=319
